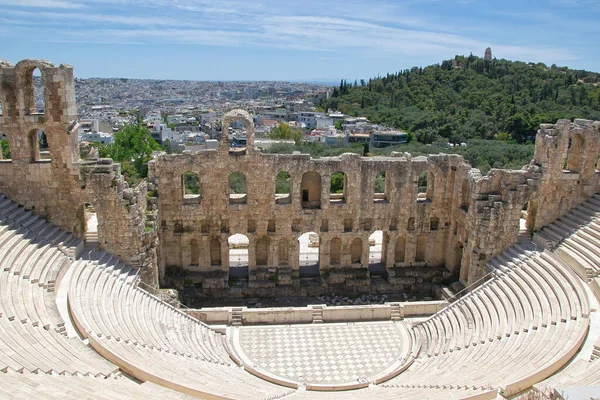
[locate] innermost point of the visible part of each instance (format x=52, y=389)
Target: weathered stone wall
x=462, y=219
x=57, y=188
x=568, y=155
x=460, y=222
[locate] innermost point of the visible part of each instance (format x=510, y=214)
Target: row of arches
x=309, y=249
x=310, y=188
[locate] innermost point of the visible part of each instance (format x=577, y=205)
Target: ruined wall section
x=58, y=186
x=568, y=155
x=418, y=228
x=44, y=185
x=494, y=216
x=122, y=216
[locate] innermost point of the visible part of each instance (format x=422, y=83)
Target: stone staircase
x=317, y=314
x=395, y=312
x=236, y=316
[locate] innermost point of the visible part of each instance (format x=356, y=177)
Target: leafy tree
x=380, y=183
x=471, y=98
x=190, y=183
x=282, y=183
x=133, y=144
x=337, y=182
x=338, y=124
x=284, y=131
x=237, y=183
x=5, y=149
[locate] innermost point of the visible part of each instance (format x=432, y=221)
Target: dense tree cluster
x=471, y=98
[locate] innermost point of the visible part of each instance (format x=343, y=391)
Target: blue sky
x=292, y=40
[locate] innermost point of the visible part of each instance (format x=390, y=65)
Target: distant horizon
x=289, y=41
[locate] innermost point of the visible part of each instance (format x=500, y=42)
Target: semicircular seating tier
x=152, y=340
x=525, y=323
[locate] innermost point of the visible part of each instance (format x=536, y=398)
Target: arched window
x=237, y=188
x=284, y=252
x=425, y=186
x=262, y=251
x=311, y=190
x=33, y=92
x=381, y=188
x=458, y=252
x=421, y=248
x=574, y=158
x=40, y=150
x=376, y=248
x=238, y=257
x=335, y=251
x=194, y=252
x=283, y=188
x=308, y=259
x=5, y=150
x=465, y=195
x=356, y=251
x=215, y=252
x=337, y=192
x=191, y=186
x=400, y=249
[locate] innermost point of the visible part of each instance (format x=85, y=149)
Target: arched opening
x=215, y=252
x=40, y=149
x=311, y=190
x=377, y=253
x=194, y=253
x=191, y=186
x=335, y=251
x=598, y=164
x=574, y=157
x=236, y=133
x=356, y=251
x=5, y=150
x=400, y=249
x=458, y=252
x=284, y=252
x=262, y=251
x=1, y=108
x=531, y=215
x=90, y=219
x=237, y=188
x=524, y=235
x=337, y=191
x=33, y=92
x=238, y=257
x=421, y=248
x=381, y=187
x=309, y=243
x=425, y=186
x=465, y=195
x=283, y=188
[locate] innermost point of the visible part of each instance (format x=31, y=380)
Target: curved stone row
x=513, y=331
x=575, y=238
x=66, y=387
x=32, y=256
x=152, y=340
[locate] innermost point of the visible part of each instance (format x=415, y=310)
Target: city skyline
x=311, y=41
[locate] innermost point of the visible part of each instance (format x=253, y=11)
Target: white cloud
x=58, y=4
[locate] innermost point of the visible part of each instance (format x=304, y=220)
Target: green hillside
x=471, y=98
